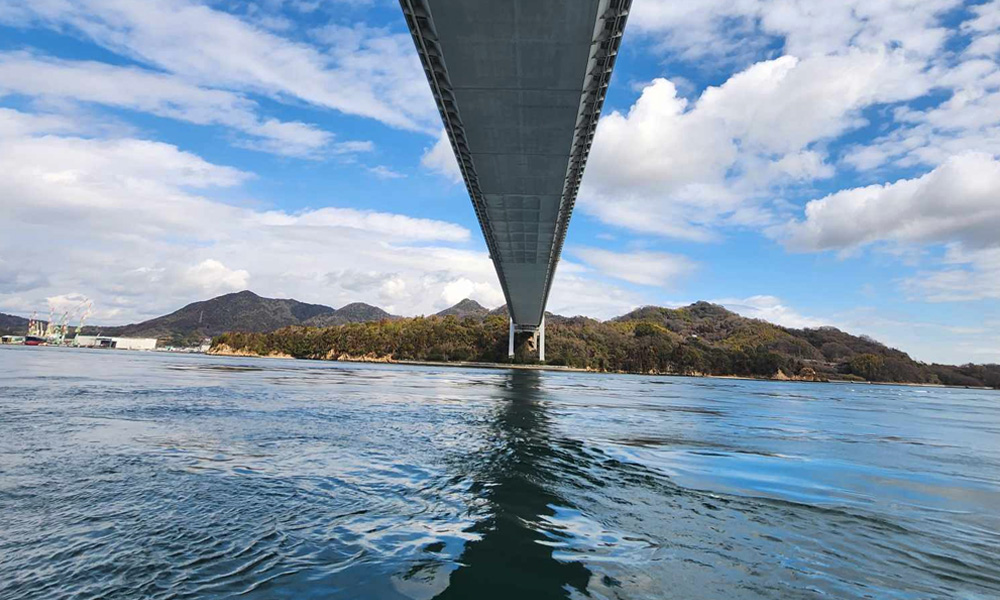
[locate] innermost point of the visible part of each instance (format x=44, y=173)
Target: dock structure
x=520, y=85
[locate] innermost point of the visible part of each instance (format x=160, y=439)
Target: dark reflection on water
x=131, y=475
x=513, y=557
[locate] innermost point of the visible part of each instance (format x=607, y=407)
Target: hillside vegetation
x=244, y=311
x=13, y=324
x=700, y=339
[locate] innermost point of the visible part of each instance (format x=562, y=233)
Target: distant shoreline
x=228, y=353
x=561, y=368
x=701, y=339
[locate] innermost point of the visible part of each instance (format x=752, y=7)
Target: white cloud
x=377, y=77
x=960, y=340
x=955, y=202
x=681, y=169
x=72, y=303
x=644, y=268
x=461, y=288
x=955, y=205
x=156, y=93
x=394, y=226
x=742, y=29
x=986, y=19
x=966, y=120
x=968, y=275
x=384, y=172
x=353, y=146
x=770, y=309
x=81, y=183
x=575, y=294
x=686, y=169
x=783, y=105
x=393, y=290
x=294, y=139
x=140, y=233
x=15, y=123
x=658, y=168
x=440, y=158
x=211, y=277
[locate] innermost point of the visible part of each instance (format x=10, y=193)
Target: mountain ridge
x=236, y=311
x=243, y=310
x=466, y=307
x=701, y=337
x=355, y=312
x=13, y=324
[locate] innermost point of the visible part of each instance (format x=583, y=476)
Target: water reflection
x=514, y=556
x=131, y=475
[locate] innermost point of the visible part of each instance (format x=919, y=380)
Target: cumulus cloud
x=676, y=168
x=743, y=153
x=644, y=268
x=659, y=167
x=954, y=205
x=461, y=288
x=955, y=202
x=212, y=277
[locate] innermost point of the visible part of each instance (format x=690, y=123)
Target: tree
x=869, y=366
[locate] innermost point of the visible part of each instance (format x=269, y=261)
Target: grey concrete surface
x=520, y=84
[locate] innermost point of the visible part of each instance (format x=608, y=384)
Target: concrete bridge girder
x=520, y=85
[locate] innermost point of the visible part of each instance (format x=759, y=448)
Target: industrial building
x=119, y=343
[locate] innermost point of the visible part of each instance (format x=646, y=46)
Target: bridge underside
x=520, y=85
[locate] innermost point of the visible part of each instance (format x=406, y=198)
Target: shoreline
x=560, y=368
x=229, y=352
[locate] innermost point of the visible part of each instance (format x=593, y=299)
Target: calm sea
x=146, y=475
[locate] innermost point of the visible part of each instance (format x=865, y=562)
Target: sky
x=802, y=161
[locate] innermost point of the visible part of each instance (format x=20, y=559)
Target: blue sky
x=805, y=162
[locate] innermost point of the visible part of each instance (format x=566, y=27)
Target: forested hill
x=241, y=311
x=701, y=338
x=13, y=324
x=465, y=308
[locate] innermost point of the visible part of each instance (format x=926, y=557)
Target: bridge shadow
x=513, y=559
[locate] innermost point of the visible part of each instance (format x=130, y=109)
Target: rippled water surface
x=133, y=475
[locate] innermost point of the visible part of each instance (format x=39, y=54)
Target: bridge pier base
x=534, y=343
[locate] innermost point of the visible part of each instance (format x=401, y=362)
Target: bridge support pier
x=541, y=340
x=536, y=342
x=510, y=343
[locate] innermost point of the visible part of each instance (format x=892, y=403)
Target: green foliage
x=968, y=375
x=699, y=339
x=849, y=377
x=868, y=366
